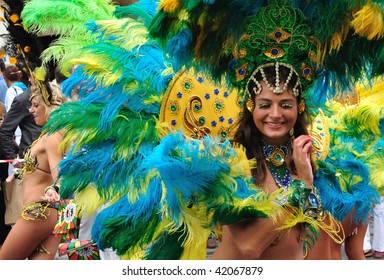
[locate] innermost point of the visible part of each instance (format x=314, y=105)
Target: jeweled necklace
x=275, y=157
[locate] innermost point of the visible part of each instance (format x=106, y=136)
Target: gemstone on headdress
x=242, y=72
x=306, y=71
x=274, y=52
x=279, y=35
x=223, y=133
x=218, y=105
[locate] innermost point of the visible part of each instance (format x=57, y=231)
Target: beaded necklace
x=275, y=157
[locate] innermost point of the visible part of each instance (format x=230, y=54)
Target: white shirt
x=11, y=93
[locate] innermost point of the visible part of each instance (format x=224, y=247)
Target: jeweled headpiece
x=276, y=35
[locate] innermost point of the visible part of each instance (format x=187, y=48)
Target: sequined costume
x=30, y=160
x=31, y=164
x=37, y=211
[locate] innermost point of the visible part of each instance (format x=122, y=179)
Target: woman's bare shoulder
x=55, y=137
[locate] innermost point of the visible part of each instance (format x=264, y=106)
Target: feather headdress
x=324, y=41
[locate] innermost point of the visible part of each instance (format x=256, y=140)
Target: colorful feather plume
x=355, y=152
x=349, y=35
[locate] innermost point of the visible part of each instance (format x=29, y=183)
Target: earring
x=250, y=105
x=301, y=106
x=292, y=132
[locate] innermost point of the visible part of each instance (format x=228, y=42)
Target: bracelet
x=54, y=187
x=306, y=198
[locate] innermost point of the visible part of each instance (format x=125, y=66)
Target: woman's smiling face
x=274, y=115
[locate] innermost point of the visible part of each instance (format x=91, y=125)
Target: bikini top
x=31, y=164
x=30, y=160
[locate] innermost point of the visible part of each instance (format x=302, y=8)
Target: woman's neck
x=277, y=142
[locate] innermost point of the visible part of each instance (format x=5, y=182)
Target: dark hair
x=247, y=133
x=12, y=73
x=2, y=65
x=24, y=72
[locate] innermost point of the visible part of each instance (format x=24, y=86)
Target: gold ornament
x=301, y=106
x=250, y=105
x=198, y=107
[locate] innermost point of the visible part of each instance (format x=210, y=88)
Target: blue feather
x=361, y=196
x=141, y=209
x=178, y=46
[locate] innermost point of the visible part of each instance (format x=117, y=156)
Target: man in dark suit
x=17, y=116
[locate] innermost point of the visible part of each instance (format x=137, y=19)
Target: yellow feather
x=339, y=37
x=267, y=203
x=100, y=68
x=241, y=165
x=368, y=21
x=195, y=251
x=331, y=226
x=374, y=161
x=169, y=6
x=89, y=200
x=122, y=29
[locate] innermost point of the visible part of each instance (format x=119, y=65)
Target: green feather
x=168, y=246
x=121, y=234
x=81, y=127
x=61, y=16
x=226, y=214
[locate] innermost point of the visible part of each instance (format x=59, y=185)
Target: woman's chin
x=277, y=136
x=38, y=122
